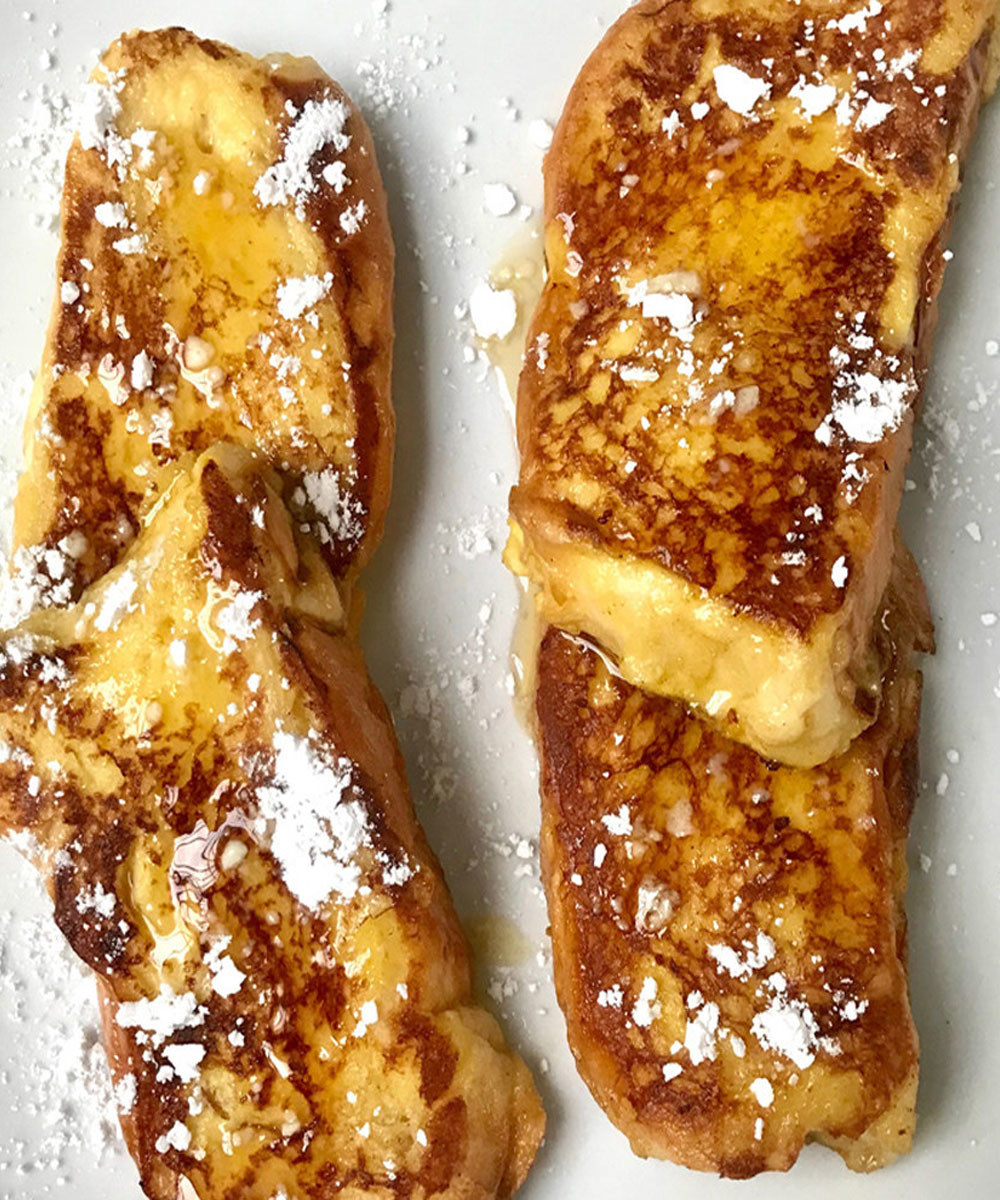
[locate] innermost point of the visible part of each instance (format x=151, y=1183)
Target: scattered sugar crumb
x=499, y=199
x=540, y=133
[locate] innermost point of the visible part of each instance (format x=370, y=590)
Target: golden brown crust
x=104, y=437
x=668, y=854
x=347, y=1056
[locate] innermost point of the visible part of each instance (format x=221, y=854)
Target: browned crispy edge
x=365, y=285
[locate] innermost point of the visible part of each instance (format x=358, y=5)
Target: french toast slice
x=729, y=935
x=745, y=206
x=199, y=764
x=224, y=274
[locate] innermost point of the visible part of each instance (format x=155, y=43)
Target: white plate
x=422, y=71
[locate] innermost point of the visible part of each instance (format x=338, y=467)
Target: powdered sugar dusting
x=63, y=1106
x=429, y=666
x=33, y=578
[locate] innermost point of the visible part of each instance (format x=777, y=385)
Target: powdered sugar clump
x=111, y=215
x=96, y=117
x=540, y=133
x=700, y=1032
x=610, y=997
x=96, y=900
x=814, y=98
x=646, y=1010
x=298, y=296
x=738, y=90
x=498, y=199
x=352, y=218
x=493, y=311
x=227, y=978
x=126, y=1091
x=873, y=113
x=291, y=179
x=178, y=1137
x=135, y=243
x=116, y=602
x=185, y=1059
x=141, y=375
x=237, y=621
x=873, y=408
x=857, y=20
x=763, y=1092
x=314, y=828
x=741, y=966
x=789, y=1028
x=96, y=114
x=618, y=824
x=163, y=1016
x=341, y=513
x=865, y=405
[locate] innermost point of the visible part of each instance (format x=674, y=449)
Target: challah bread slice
x=729, y=936
x=224, y=274
x=746, y=205
x=197, y=761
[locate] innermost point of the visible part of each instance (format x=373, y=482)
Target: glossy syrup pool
x=521, y=270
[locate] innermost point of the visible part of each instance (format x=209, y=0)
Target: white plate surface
x=423, y=69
